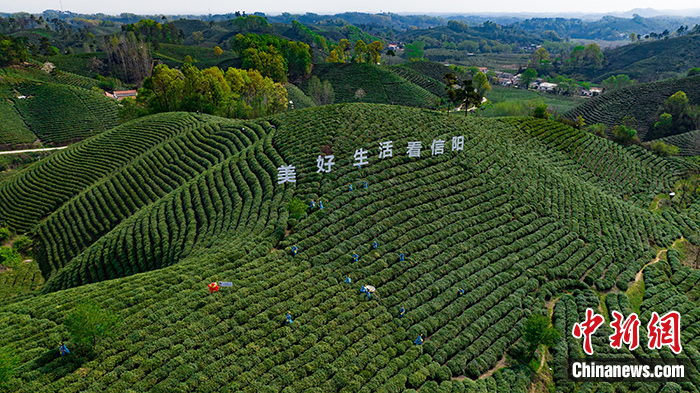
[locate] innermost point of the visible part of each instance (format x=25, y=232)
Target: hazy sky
x=302, y=6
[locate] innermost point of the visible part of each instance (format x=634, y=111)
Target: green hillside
x=688, y=142
x=13, y=129
x=56, y=108
x=61, y=113
x=158, y=208
x=378, y=84
x=640, y=101
x=430, y=69
x=426, y=80
x=654, y=60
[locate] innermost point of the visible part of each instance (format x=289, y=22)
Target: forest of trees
x=12, y=50
x=274, y=57
x=235, y=93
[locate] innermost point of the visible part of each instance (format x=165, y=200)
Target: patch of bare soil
x=638, y=277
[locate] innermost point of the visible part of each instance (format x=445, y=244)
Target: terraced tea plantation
x=640, y=101
x=14, y=130
x=142, y=217
x=56, y=108
x=368, y=83
x=687, y=142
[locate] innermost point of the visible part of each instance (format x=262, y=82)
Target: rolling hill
x=356, y=82
x=687, y=142
x=56, y=108
x=525, y=210
x=640, y=101
x=654, y=60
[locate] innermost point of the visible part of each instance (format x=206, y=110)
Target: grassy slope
x=639, y=101
x=529, y=208
x=558, y=103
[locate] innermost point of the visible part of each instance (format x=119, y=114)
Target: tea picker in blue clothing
x=295, y=249
x=350, y=187
x=355, y=257
x=461, y=291
x=402, y=311
x=375, y=244
x=364, y=184
x=62, y=349
x=419, y=340
x=400, y=257
x=312, y=204
x=348, y=280
x=320, y=204
x=288, y=320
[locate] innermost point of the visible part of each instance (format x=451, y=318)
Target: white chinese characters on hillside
x=286, y=174
x=324, y=163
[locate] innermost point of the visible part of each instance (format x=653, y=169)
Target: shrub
x=8, y=362
x=23, y=245
x=416, y=379
x=444, y=374
x=541, y=112
x=4, y=234
x=624, y=134
x=89, y=322
x=597, y=129
x=664, y=149
x=296, y=209
x=9, y=257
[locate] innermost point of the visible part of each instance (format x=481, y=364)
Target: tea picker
x=402, y=311
x=419, y=340
x=312, y=204
x=288, y=320
x=364, y=184
x=348, y=280
x=213, y=287
x=320, y=204
x=355, y=257
x=350, y=187
x=400, y=257
x=367, y=290
x=62, y=349
x=295, y=249
x=461, y=291
x=375, y=245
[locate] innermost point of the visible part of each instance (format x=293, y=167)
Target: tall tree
x=528, y=76
x=374, y=51
x=89, y=322
x=360, y=51
x=414, y=51
x=129, y=57
x=464, y=95
x=481, y=83
x=344, y=50
x=12, y=50
x=269, y=62
x=539, y=332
